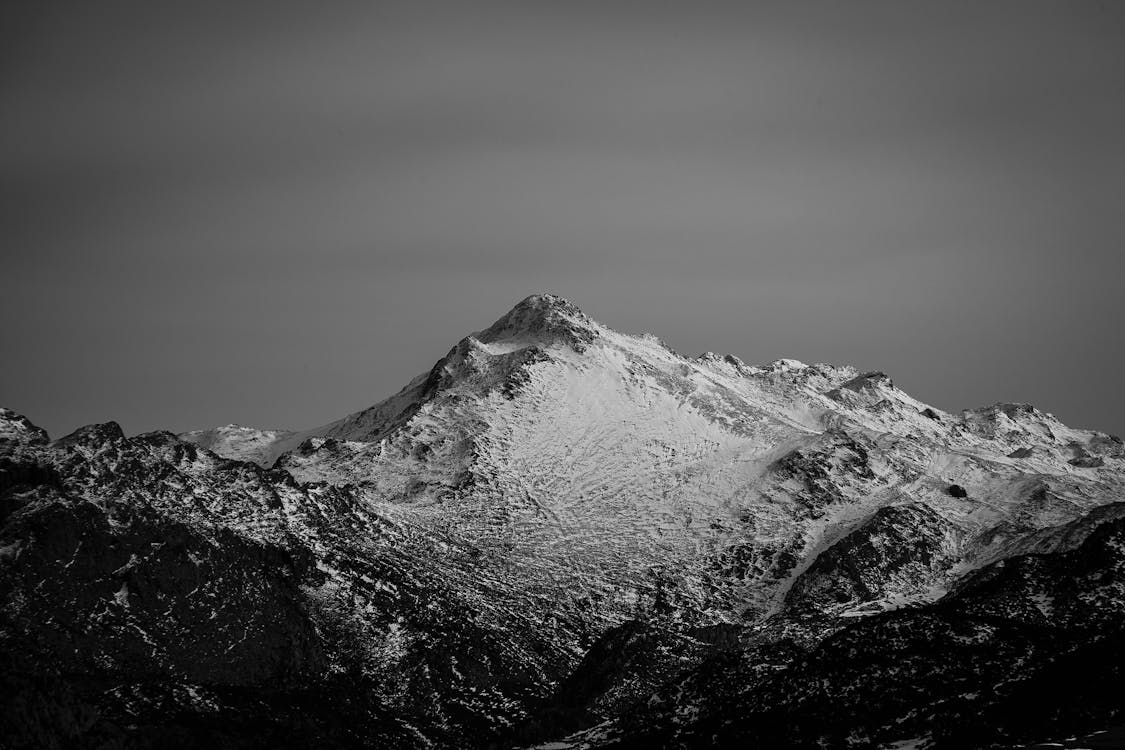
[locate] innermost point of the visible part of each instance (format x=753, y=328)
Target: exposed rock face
x=559, y=526
x=154, y=592
x=900, y=550
x=546, y=319
x=127, y=603
x=16, y=430
x=1024, y=649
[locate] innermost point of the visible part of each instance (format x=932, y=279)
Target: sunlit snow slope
x=609, y=470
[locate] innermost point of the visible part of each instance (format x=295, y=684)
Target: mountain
x=245, y=443
x=567, y=535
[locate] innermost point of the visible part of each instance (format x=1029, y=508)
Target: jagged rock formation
x=555, y=525
x=1023, y=649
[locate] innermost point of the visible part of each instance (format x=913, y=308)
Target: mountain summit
x=545, y=319
x=559, y=529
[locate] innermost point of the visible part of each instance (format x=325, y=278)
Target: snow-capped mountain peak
x=550, y=490
x=559, y=428
x=544, y=319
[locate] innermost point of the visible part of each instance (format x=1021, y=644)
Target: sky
x=277, y=213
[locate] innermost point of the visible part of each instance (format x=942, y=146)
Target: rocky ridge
x=554, y=525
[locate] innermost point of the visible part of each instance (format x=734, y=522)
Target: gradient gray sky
x=275, y=213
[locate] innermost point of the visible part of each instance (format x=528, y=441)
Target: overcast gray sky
x=276, y=213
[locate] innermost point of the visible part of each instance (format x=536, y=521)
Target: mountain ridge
x=552, y=506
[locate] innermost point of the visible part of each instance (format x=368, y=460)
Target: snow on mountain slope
x=550, y=482
x=593, y=464
x=1027, y=647
x=245, y=443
